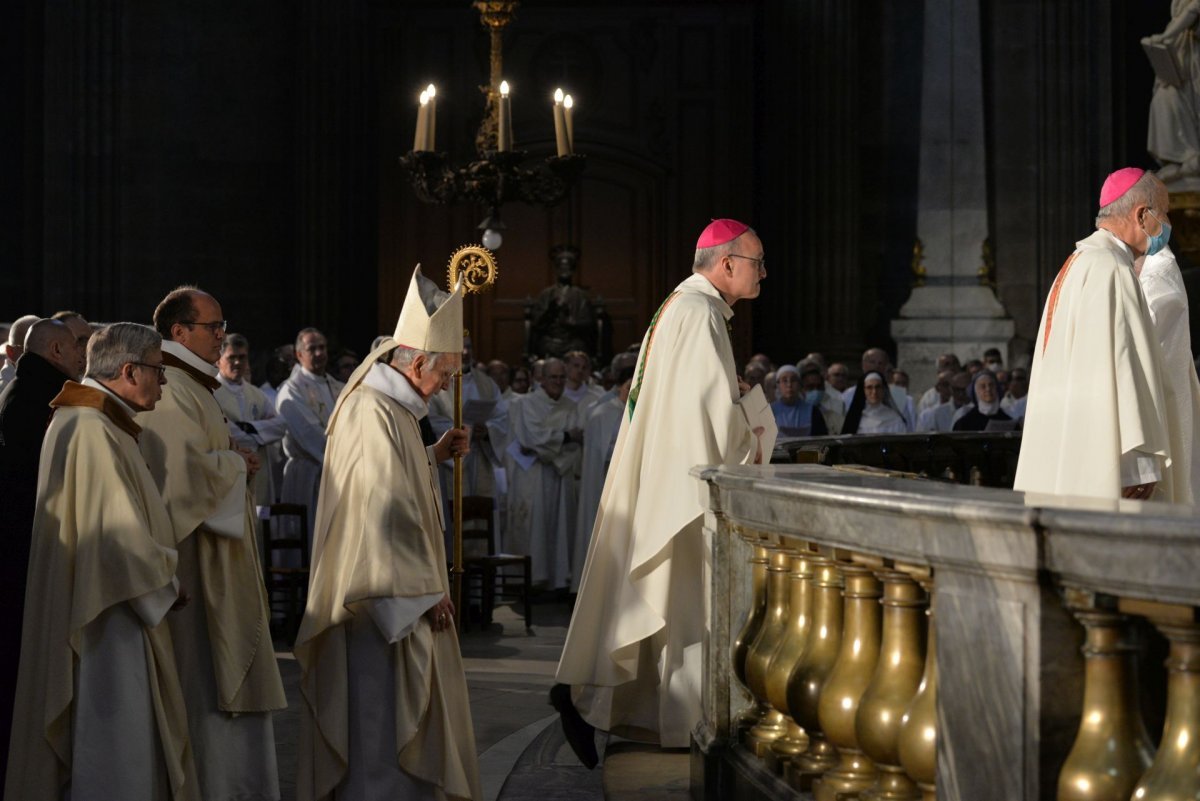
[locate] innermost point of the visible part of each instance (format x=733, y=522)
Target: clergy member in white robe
x=1096, y=417
x=542, y=460
x=305, y=401
x=386, y=712
x=488, y=439
x=580, y=388
x=1166, y=297
x=633, y=650
x=253, y=423
x=599, y=438
x=99, y=713
x=222, y=639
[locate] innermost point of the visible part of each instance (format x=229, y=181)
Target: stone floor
x=522, y=754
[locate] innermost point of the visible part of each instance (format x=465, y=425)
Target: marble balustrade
x=1030, y=692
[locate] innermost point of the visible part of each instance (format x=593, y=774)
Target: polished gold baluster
x=750, y=629
x=1175, y=772
x=851, y=674
x=770, y=726
x=897, y=676
x=918, y=727
x=1111, y=750
x=790, y=652
x=811, y=673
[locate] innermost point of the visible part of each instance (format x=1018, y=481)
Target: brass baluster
x=811, y=673
x=770, y=726
x=849, y=680
x=790, y=652
x=1111, y=750
x=918, y=727
x=1175, y=772
x=750, y=629
x=893, y=686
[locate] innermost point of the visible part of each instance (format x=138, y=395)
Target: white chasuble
x=222, y=638
x=386, y=712
x=599, y=436
x=1167, y=299
x=1096, y=415
x=542, y=493
x=633, y=651
x=99, y=711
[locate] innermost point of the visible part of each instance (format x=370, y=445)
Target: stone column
x=953, y=305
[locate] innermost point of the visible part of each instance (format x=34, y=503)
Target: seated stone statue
x=562, y=317
x=1174, y=130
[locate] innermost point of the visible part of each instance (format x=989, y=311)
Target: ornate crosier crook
x=476, y=267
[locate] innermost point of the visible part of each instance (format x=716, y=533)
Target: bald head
x=16, y=336
x=875, y=360
x=54, y=341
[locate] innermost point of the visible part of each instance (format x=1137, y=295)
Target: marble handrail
x=1007, y=661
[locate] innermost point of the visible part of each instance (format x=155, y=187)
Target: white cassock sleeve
x=758, y=414
x=1140, y=468
x=154, y=605
x=229, y=518
x=397, y=617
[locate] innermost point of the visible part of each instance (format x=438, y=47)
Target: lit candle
x=568, y=104
x=422, y=118
x=560, y=123
x=504, y=134
x=431, y=120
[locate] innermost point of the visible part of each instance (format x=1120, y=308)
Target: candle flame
x=431, y=90
x=568, y=102
x=504, y=88
x=424, y=98
x=558, y=95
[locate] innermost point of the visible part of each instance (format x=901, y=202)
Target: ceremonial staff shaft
x=475, y=266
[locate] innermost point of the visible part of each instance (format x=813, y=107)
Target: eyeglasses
x=213, y=327
x=761, y=263
x=162, y=370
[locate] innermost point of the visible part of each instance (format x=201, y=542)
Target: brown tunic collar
x=73, y=394
x=202, y=378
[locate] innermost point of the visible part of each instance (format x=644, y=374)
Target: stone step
x=639, y=772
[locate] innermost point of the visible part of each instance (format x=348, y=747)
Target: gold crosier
x=475, y=266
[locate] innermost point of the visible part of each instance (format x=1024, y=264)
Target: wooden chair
x=501, y=576
x=287, y=587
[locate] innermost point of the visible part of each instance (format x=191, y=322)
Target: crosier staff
x=475, y=266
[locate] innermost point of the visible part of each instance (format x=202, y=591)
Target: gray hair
x=1140, y=194
x=707, y=257
x=303, y=333
x=116, y=345
x=234, y=341
x=400, y=358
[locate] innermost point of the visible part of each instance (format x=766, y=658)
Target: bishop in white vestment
x=386, y=712
x=1096, y=423
x=633, y=650
x=99, y=710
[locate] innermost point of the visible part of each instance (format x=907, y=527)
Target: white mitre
x=430, y=320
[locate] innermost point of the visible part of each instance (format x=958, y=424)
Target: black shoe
x=580, y=734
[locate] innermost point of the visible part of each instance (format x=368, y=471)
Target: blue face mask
x=813, y=397
x=1159, y=240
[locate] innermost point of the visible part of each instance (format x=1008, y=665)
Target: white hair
x=707, y=257
x=116, y=345
x=400, y=358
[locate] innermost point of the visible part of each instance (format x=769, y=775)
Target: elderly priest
x=99, y=711
x=633, y=650
x=386, y=714
x=1097, y=423
x=222, y=642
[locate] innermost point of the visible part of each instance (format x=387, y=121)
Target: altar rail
x=823, y=675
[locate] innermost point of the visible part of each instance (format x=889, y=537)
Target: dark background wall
x=252, y=148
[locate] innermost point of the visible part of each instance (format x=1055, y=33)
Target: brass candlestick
x=770, y=726
x=794, y=740
x=1175, y=772
x=812, y=672
x=1112, y=749
x=918, y=727
x=750, y=629
x=851, y=675
x=897, y=676
x=476, y=268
